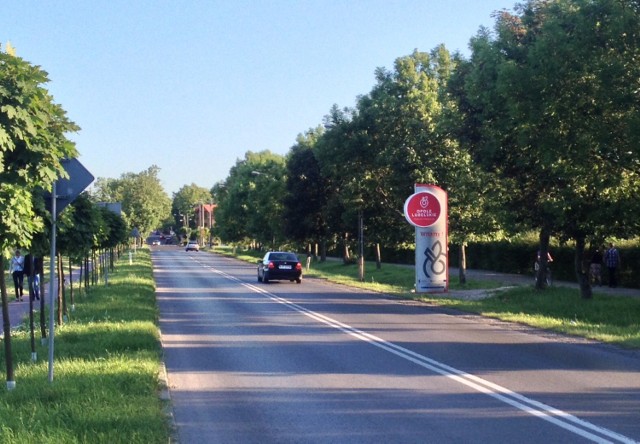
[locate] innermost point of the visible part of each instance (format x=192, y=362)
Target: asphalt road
x=318, y=362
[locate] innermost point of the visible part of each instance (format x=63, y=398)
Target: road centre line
x=543, y=411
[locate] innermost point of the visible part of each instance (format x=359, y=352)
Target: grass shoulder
x=106, y=369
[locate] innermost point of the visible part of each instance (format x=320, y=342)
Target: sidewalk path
x=19, y=311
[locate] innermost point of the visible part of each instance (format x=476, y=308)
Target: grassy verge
x=609, y=319
x=614, y=320
x=107, y=357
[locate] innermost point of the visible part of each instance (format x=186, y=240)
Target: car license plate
x=285, y=267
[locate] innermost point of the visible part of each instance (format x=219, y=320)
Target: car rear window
x=283, y=257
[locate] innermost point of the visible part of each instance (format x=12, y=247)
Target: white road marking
x=557, y=417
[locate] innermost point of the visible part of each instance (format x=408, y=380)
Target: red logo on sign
x=422, y=209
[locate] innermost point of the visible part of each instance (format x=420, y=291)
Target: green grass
x=614, y=320
x=609, y=319
x=106, y=367
x=388, y=278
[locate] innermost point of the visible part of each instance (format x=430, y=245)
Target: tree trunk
x=323, y=250
x=43, y=321
x=582, y=273
x=80, y=274
x=60, y=298
x=346, y=256
x=71, y=283
x=541, y=275
x=86, y=272
x=94, y=276
x=462, y=270
x=32, y=298
x=94, y=268
x=6, y=327
x=378, y=257
x=99, y=266
x=103, y=263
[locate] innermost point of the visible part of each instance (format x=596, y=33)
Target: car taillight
x=271, y=266
x=298, y=266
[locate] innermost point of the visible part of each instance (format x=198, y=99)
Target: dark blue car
x=279, y=266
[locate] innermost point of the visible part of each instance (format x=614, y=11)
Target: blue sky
x=190, y=86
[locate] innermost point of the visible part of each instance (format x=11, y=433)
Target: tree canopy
x=555, y=98
x=250, y=200
x=536, y=130
x=145, y=204
x=186, y=198
x=33, y=141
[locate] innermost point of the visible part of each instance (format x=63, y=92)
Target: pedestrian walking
x=538, y=263
x=33, y=269
x=595, y=269
x=17, y=272
x=612, y=261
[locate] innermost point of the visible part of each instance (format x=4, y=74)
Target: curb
x=167, y=405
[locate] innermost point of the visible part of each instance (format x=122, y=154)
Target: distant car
x=155, y=242
x=192, y=246
x=279, y=266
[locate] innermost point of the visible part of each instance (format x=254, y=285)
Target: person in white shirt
x=17, y=271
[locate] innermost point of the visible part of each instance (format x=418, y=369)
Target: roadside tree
x=250, y=200
x=398, y=135
x=304, y=204
x=556, y=94
x=185, y=200
x=145, y=204
x=415, y=117
x=342, y=163
x=32, y=144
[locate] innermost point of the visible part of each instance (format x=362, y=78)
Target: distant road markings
x=558, y=417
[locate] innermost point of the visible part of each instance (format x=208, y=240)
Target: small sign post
x=63, y=192
x=135, y=234
x=427, y=210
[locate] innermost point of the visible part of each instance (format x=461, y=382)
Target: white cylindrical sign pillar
x=427, y=210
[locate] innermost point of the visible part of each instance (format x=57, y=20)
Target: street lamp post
x=185, y=224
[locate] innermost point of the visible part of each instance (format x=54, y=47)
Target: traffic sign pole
x=52, y=276
x=79, y=179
